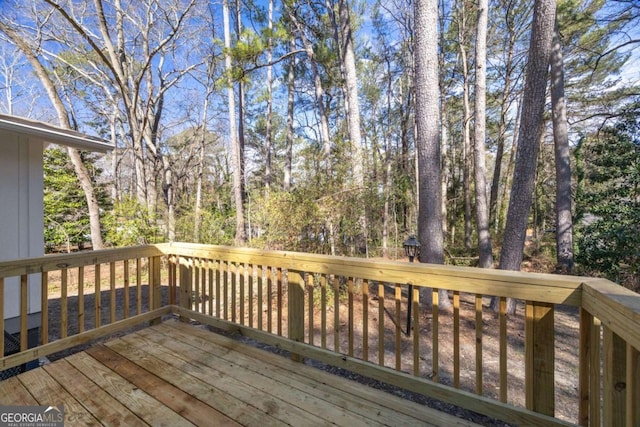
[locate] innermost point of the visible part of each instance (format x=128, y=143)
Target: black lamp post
x=411, y=249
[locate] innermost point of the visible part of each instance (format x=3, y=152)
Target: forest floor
x=566, y=349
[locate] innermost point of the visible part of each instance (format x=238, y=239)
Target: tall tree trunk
x=444, y=134
x=353, y=112
x=531, y=129
x=482, y=208
x=387, y=164
x=564, y=222
x=63, y=118
x=466, y=124
x=202, y=135
x=236, y=152
x=351, y=83
x=290, y=114
x=116, y=188
x=269, y=142
x=427, y=138
x=241, y=116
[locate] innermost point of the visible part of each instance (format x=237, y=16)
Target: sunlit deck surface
x=177, y=374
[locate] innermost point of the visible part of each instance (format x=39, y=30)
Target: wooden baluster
x=456, y=339
x=539, y=358
x=97, y=296
x=203, y=286
x=126, y=288
x=279, y=306
x=351, y=320
x=260, y=273
x=139, y=286
x=241, y=272
x=398, y=296
x=504, y=374
x=310, y=317
x=225, y=289
x=2, y=313
x=365, y=319
x=211, y=268
x=24, y=307
x=336, y=314
x=171, y=279
x=381, y=328
x=416, y=331
x=196, y=298
x=269, y=301
x=219, y=278
x=250, y=297
x=64, y=308
x=44, y=322
x=479, y=344
x=234, y=300
x=435, y=325
x=323, y=311
x=112, y=291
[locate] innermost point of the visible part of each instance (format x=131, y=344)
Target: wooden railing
x=80, y=297
x=351, y=313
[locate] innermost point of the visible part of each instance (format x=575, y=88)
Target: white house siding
x=21, y=221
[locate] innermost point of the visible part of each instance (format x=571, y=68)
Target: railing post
x=539, y=358
x=633, y=386
x=615, y=377
x=155, y=285
x=185, y=286
x=295, y=303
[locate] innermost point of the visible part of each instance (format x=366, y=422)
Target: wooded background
x=493, y=131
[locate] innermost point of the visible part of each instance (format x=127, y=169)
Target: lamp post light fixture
x=412, y=250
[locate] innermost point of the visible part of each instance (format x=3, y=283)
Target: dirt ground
x=566, y=369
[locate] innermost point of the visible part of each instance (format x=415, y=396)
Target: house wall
x=21, y=218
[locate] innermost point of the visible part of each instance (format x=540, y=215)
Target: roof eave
x=52, y=134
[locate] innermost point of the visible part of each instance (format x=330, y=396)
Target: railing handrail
x=46, y=263
x=547, y=288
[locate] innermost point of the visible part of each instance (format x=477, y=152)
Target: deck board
x=14, y=393
x=98, y=402
x=47, y=391
x=138, y=401
x=153, y=358
x=177, y=374
x=261, y=363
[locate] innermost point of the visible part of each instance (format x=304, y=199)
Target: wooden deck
x=176, y=374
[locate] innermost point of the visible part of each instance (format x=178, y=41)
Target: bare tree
x=30, y=52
